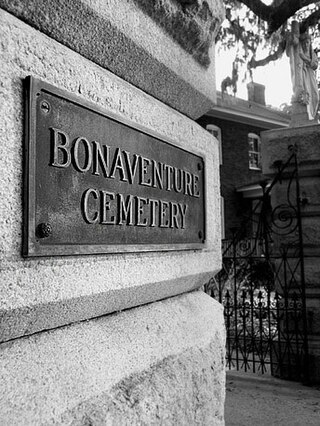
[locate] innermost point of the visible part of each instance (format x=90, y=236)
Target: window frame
x=257, y=152
x=211, y=128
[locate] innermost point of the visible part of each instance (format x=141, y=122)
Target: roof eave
x=246, y=117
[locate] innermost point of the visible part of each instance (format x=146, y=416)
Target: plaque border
x=30, y=246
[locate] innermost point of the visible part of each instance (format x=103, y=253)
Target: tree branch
x=277, y=13
x=272, y=57
x=310, y=21
x=259, y=8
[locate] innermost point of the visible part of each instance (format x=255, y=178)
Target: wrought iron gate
x=262, y=286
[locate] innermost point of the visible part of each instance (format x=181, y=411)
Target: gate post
x=98, y=328
x=275, y=145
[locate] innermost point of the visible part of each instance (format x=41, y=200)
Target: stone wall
x=275, y=147
x=134, y=41
x=149, y=365
x=67, y=354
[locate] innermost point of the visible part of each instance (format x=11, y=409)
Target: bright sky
x=275, y=76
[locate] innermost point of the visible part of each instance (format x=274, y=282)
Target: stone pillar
x=125, y=337
x=275, y=145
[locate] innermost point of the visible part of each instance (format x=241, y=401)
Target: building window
x=216, y=132
x=254, y=151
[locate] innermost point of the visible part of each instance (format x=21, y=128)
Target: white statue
x=309, y=67
x=303, y=63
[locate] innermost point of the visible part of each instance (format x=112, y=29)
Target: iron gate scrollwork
x=262, y=286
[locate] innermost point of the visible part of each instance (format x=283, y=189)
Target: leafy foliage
x=253, y=25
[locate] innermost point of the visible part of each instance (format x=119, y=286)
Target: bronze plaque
x=98, y=184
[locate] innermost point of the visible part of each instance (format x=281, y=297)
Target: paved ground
x=265, y=401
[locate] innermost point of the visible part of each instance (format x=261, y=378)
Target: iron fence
x=262, y=286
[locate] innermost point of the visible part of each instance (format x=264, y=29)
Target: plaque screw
x=200, y=235
x=45, y=107
x=44, y=230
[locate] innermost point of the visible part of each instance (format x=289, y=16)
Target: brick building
x=237, y=124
